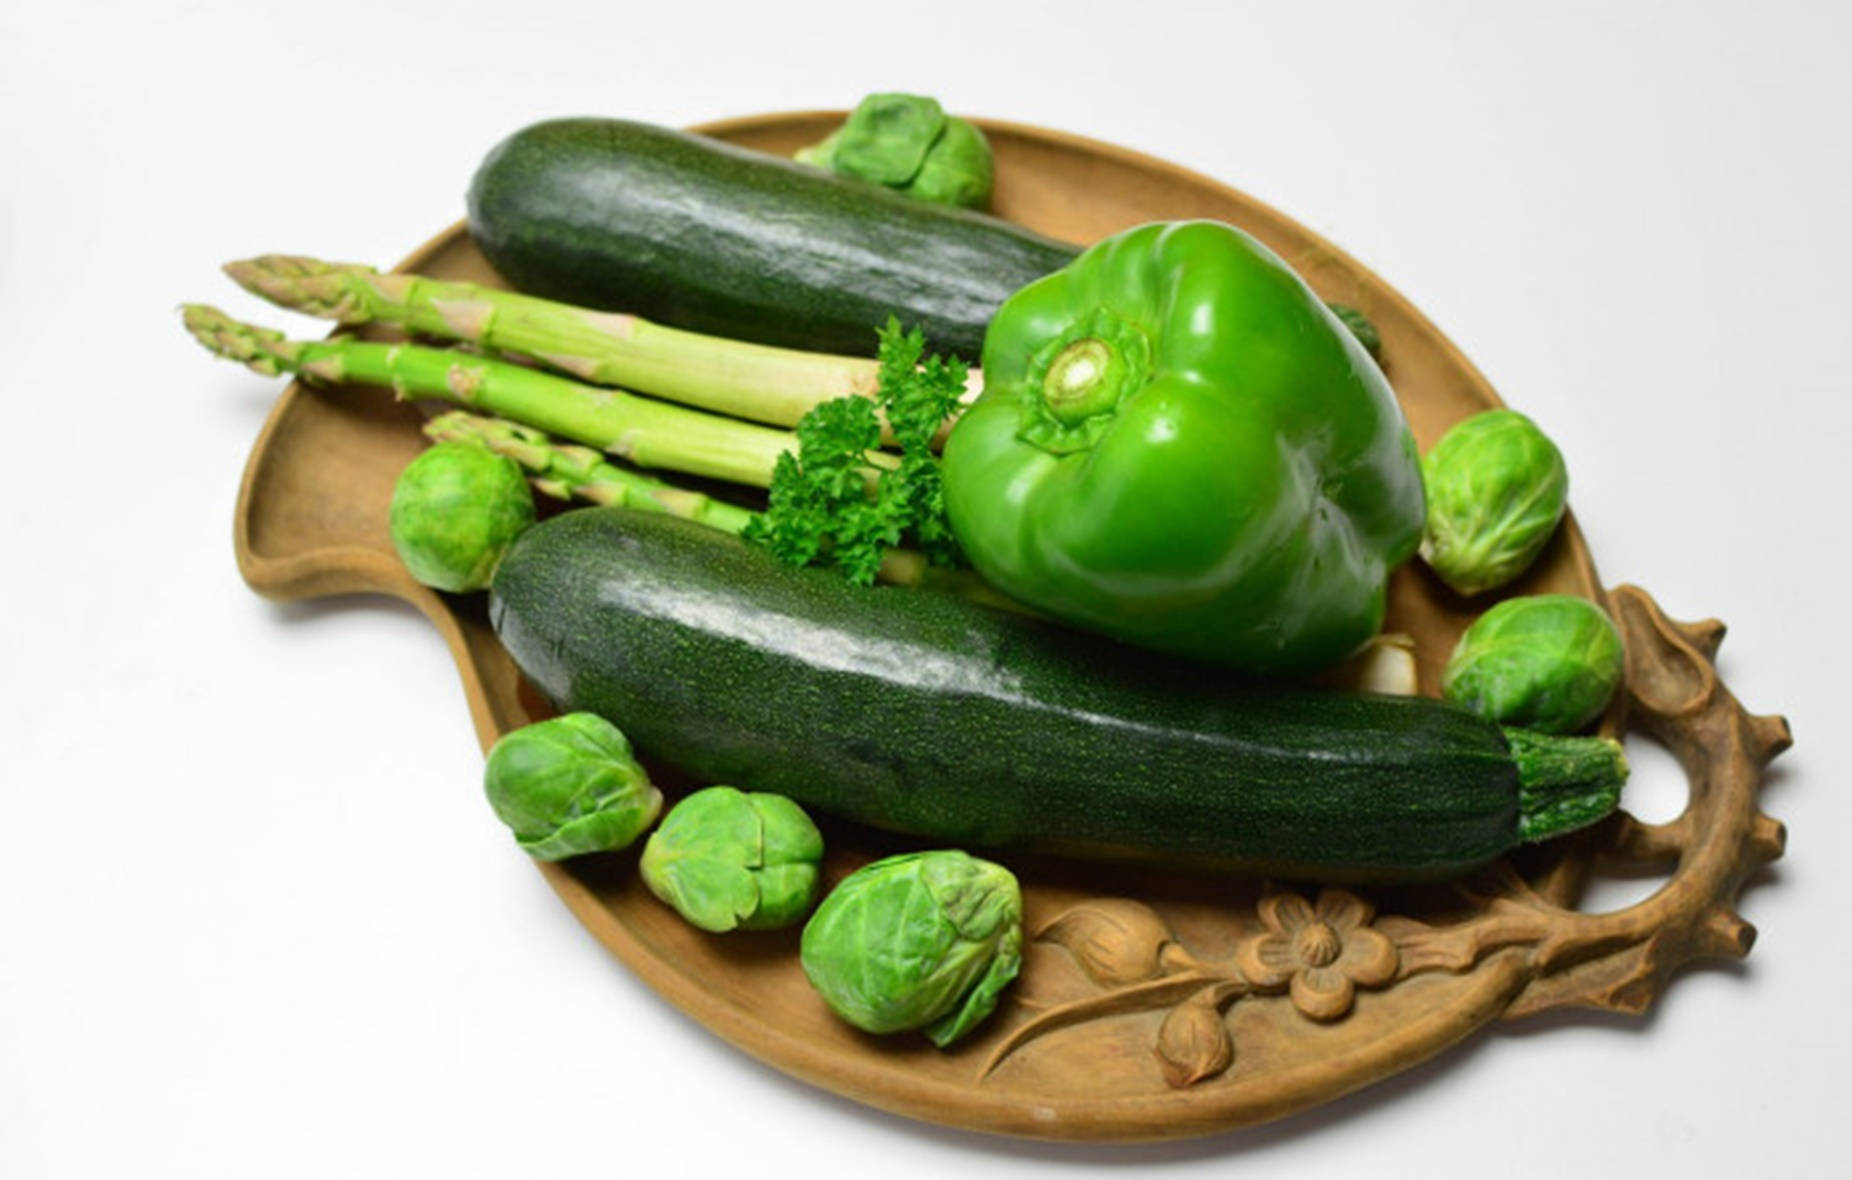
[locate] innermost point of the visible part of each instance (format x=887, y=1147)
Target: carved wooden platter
x=1151, y=1005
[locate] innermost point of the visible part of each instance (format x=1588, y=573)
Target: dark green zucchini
x=699, y=234
x=928, y=714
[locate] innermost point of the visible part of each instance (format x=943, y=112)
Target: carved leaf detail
x=1504, y=922
x=1115, y=941
x=1193, y=1042
x=1665, y=673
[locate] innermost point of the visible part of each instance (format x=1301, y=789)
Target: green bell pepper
x=1180, y=446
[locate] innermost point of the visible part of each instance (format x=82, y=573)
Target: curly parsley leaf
x=831, y=505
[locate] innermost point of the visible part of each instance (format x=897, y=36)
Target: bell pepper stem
x=1082, y=380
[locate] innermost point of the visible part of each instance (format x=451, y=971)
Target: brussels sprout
x=569, y=785
x=1496, y=489
x=455, y=510
x=908, y=142
x=887, y=137
x=1549, y=662
x=725, y=860
x=959, y=170
x=921, y=940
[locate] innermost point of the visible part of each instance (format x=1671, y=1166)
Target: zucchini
x=702, y=235
x=926, y=713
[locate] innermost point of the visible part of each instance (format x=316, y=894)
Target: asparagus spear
x=774, y=385
x=567, y=472
x=647, y=433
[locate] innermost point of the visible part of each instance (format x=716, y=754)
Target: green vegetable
x=1361, y=327
x=701, y=235
x=925, y=713
x=908, y=142
x=923, y=940
x=821, y=510
x=1548, y=662
x=959, y=170
x=643, y=431
x=455, y=510
x=752, y=381
x=1179, y=446
x=566, y=472
x=1497, y=489
x=727, y=860
x=697, y=234
x=569, y=785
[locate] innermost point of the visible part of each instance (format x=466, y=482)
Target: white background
x=254, y=917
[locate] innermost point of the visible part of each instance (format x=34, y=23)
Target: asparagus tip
x=295, y=281
x=210, y=326
x=248, y=344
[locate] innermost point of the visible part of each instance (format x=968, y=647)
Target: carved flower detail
x=1324, y=950
x=1318, y=951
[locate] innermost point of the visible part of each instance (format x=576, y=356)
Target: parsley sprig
x=830, y=506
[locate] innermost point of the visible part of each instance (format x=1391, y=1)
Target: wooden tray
x=1150, y=1005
